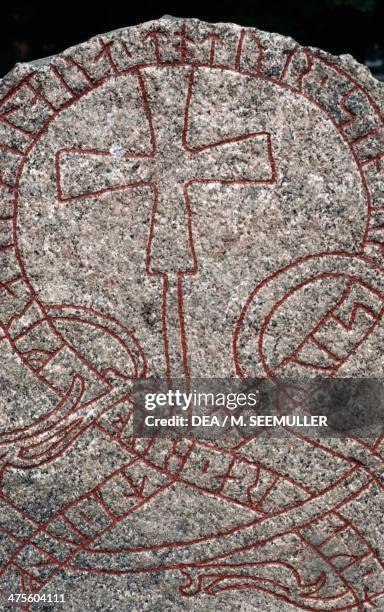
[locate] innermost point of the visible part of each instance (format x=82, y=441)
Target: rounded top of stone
x=197, y=41
x=177, y=104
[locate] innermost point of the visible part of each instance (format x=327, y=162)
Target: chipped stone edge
x=347, y=62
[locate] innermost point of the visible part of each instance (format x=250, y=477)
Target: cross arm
x=84, y=173
x=242, y=159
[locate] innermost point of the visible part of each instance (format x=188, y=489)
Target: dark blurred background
x=30, y=30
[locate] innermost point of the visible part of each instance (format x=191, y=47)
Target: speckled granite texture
x=182, y=198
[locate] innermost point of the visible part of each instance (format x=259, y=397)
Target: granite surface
x=185, y=199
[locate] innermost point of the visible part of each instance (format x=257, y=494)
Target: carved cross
x=170, y=168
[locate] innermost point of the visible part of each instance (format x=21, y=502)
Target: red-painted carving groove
x=97, y=400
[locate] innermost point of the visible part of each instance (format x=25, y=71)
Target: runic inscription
x=181, y=199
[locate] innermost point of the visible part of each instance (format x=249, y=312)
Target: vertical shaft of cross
x=176, y=350
x=172, y=256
